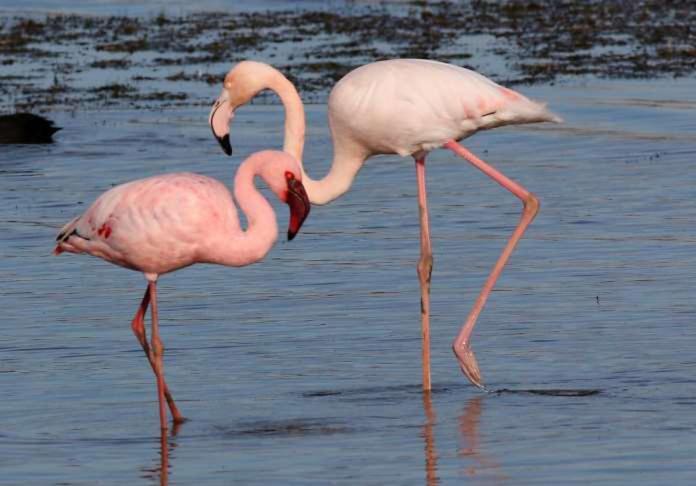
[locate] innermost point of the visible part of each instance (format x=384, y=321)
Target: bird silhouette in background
x=21, y=128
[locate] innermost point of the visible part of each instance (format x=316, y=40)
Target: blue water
x=305, y=368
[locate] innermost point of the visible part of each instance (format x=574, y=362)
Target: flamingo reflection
x=429, y=437
x=161, y=470
x=469, y=449
x=469, y=422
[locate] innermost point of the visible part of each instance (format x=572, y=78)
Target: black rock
x=26, y=128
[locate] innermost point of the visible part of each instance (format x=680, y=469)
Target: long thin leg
x=425, y=268
x=461, y=346
x=157, y=352
x=138, y=326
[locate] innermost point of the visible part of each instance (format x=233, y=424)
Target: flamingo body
x=406, y=106
x=158, y=224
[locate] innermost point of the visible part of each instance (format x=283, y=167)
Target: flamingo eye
x=289, y=175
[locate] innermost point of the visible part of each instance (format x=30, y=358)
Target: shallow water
x=305, y=368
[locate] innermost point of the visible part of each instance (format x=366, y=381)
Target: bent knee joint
x=138, y=330
x=531, y=204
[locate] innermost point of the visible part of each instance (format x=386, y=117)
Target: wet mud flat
x=56, y=61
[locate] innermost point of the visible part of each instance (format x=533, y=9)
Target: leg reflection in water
x=431, y=478
x=470, y=449
x=166, y=447
x=469, y=421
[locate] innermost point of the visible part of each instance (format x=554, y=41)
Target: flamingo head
x=244, y=81
x=298, y=201
x=220, y=117
x=283, y=175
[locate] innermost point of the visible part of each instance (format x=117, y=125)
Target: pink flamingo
x=405, y=107
x=163, y=223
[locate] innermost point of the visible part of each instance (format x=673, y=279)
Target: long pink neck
x=256, y=241
x=346, y=163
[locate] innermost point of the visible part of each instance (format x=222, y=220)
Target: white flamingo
x=405, y=107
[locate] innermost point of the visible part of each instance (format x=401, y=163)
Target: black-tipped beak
x=299, y=204
x=225, y=143
x=220, y=116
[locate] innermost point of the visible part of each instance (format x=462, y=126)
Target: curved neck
x=294, y=114
x=250, y=245
x=345, y=166
x=346, y=162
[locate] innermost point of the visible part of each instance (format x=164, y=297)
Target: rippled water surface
x=305, y=368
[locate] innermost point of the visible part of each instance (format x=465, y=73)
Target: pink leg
x=425, y=268
x=461, y=346
x=138, y=326
x=157, y=352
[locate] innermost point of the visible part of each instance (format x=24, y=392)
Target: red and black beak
x=299, y=204
x=220, y=116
